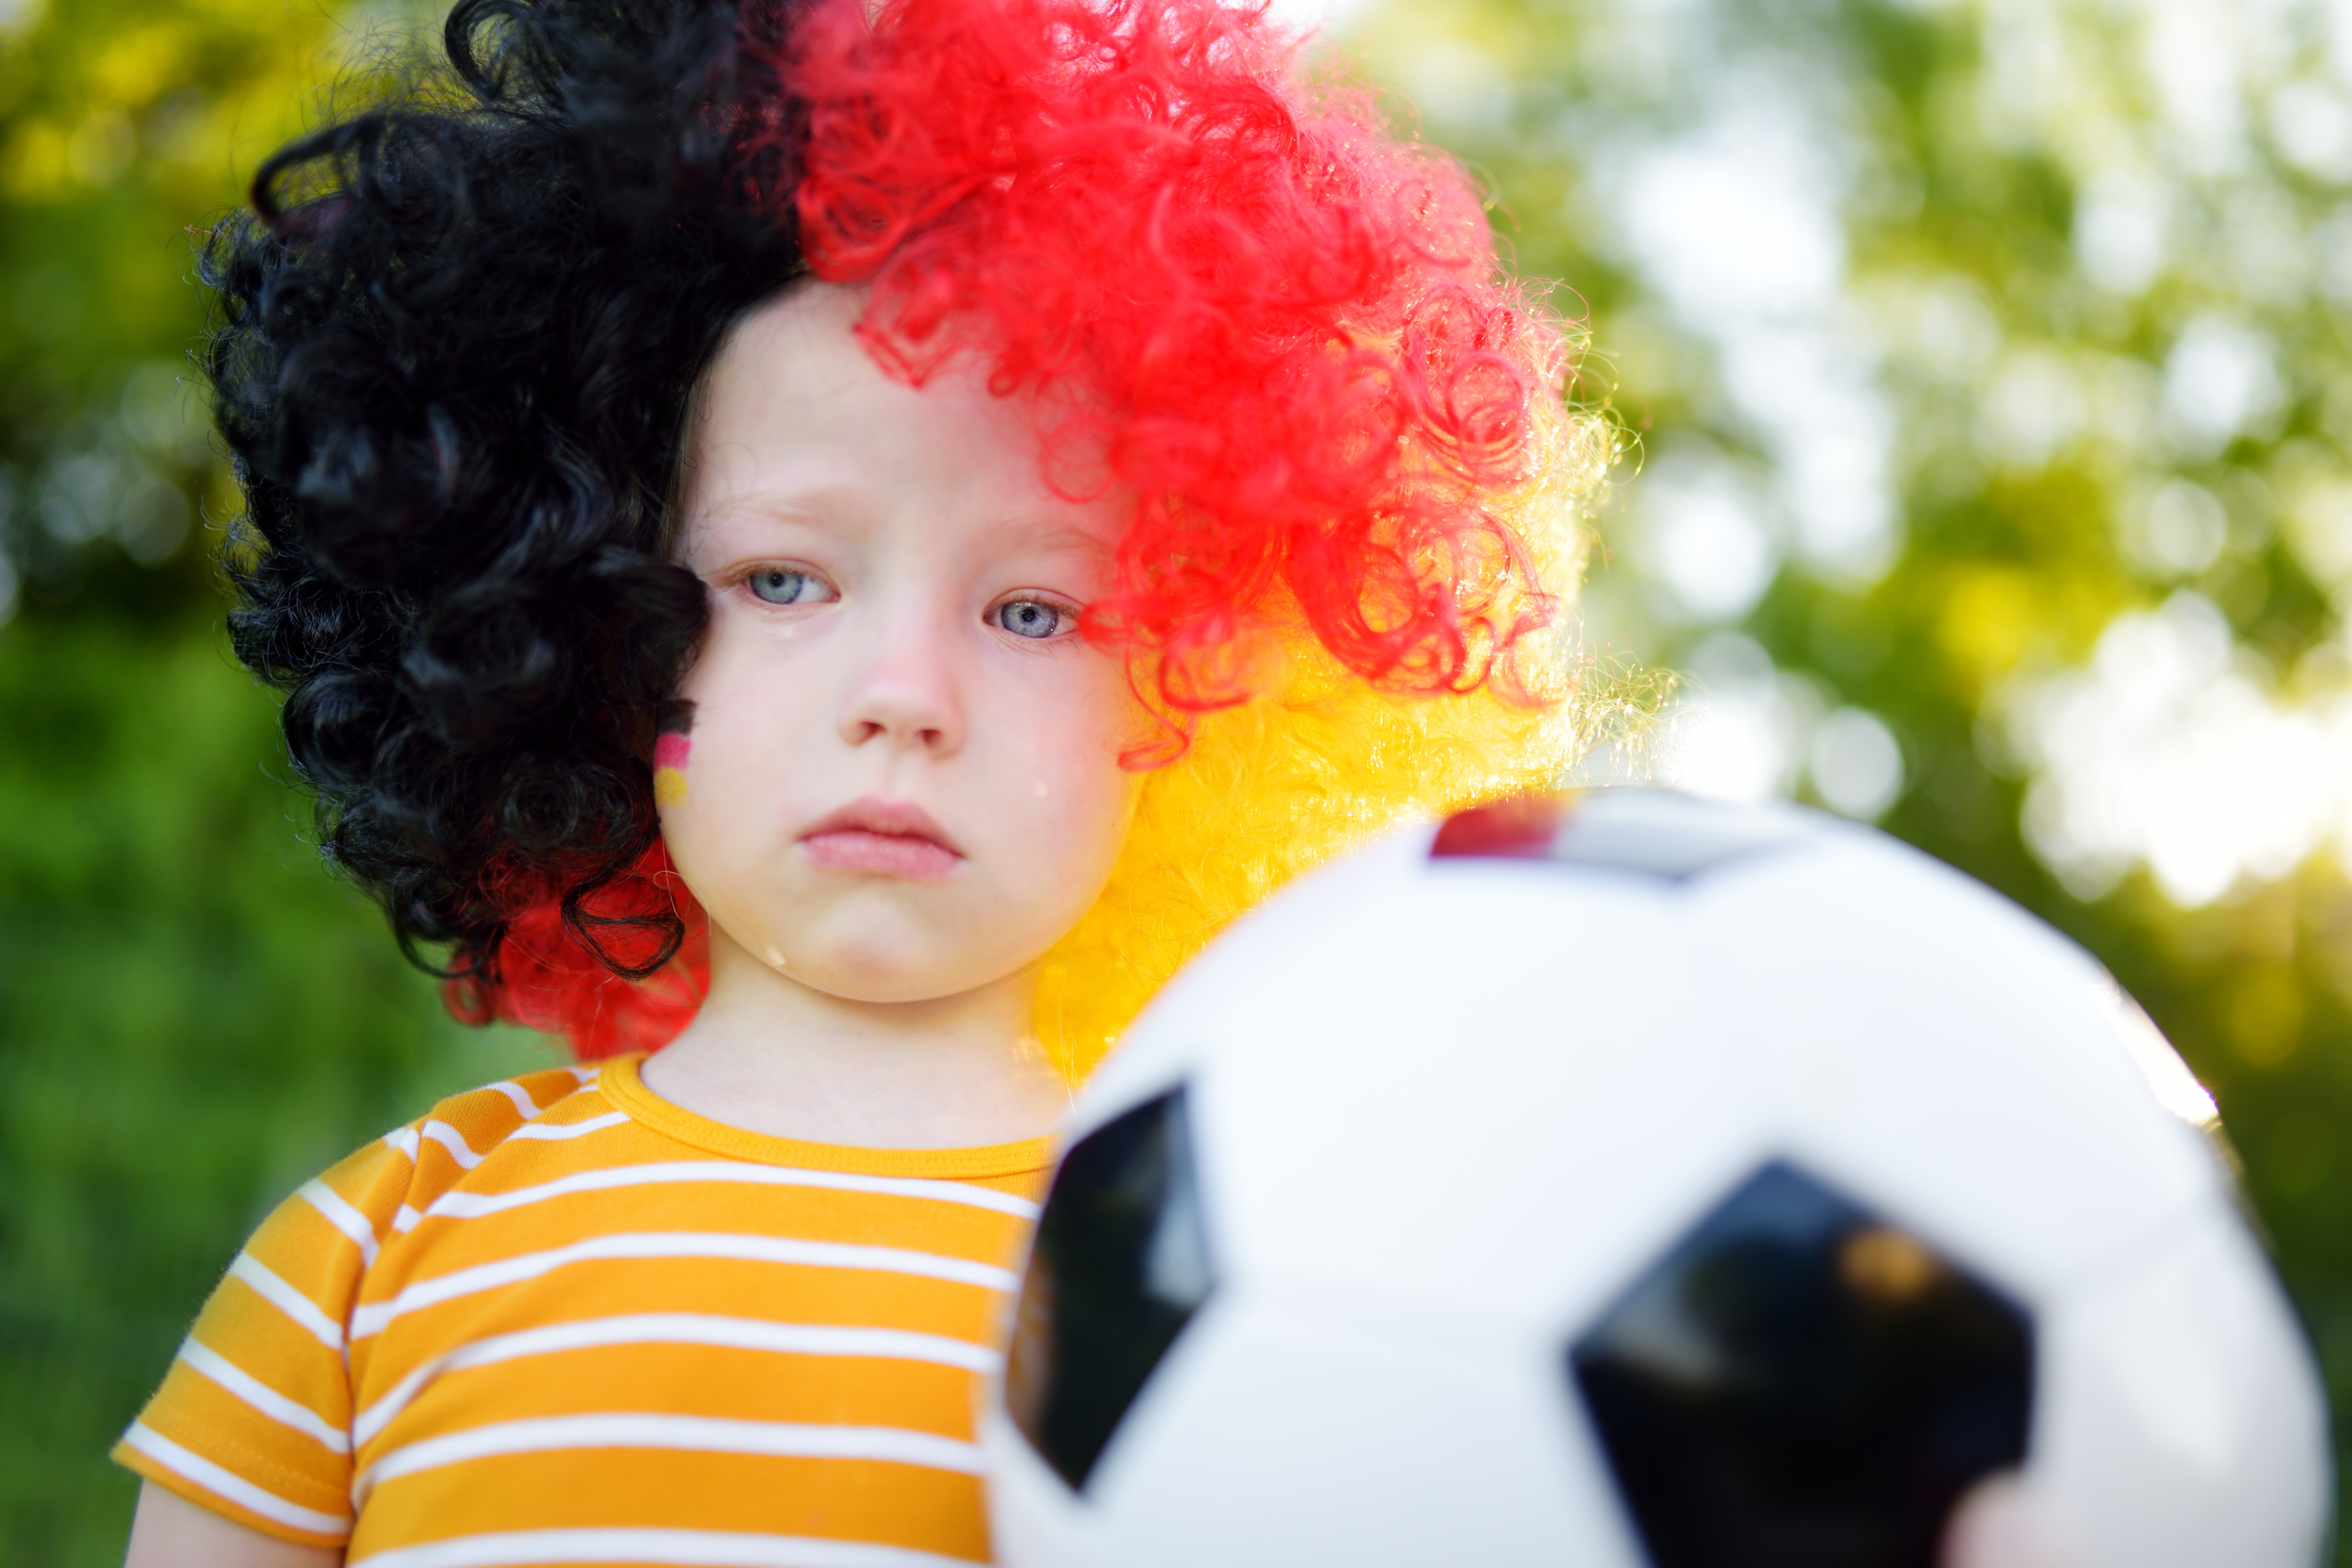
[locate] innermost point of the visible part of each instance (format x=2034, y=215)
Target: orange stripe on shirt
x=547, y=1307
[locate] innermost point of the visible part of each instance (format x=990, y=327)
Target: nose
x=907, y=697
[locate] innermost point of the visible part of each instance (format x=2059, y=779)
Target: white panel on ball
x=1469, y=1134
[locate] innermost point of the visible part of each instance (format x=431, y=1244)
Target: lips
x=882, y=838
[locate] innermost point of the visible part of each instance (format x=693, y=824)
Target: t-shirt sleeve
x=253, y=1419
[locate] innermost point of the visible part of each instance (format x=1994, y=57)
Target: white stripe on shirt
x=449, y=1138
x=675, y=1434
x=473, y=1206
x=525, y=1105
x=409, y=1141
x=371, y=1318
x=681, y=1327
x=227, y=1484
x=558, y=1130
x=288, y=1299
x=685, y=1548
x=343, y=1216
x=264, y=1398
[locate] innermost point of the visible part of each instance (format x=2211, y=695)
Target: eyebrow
x=1035, y=531
x=814, y=506
x=1055, y=533
x=804, y=506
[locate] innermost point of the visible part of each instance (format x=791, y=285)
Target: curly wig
x=459, y=339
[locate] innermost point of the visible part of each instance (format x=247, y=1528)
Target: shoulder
x=386, y=1183
x=463, y=1127
x=253, y=1419
x=312, y=1257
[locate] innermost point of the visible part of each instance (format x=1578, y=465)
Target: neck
x=768, y=1054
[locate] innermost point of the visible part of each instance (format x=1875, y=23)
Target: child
x=837, y=548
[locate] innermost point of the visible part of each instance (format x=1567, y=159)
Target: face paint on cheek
x=669, y=769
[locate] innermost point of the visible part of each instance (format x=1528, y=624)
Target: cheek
x=726, y=769
x=1072, y=794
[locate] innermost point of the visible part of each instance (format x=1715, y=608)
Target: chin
x=890, y=972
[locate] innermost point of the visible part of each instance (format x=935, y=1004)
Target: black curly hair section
x=455, y=343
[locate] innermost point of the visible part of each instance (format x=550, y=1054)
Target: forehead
x=796, y=413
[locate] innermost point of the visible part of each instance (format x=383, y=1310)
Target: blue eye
x=787, y=585
x=1030, y=617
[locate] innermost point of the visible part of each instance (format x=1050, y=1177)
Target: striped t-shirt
x=560, y=1320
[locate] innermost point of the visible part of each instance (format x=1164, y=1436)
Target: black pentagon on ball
x=1798, y=1384
x=1119, y=1266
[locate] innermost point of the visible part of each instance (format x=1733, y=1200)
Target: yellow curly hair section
x=1322, y=762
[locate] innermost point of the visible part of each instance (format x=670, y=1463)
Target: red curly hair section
x=1282, y=331
x=546, y=977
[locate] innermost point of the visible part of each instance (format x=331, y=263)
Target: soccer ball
x=1627, y=1179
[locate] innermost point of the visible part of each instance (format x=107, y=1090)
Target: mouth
x=882, y=838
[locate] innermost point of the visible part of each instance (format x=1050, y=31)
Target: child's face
x=902, y=781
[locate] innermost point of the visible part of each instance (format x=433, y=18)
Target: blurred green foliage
x=194, y=1017
x=1947, y=338
x=193, y=1020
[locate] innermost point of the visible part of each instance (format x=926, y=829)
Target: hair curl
x=1281, y=330
x=456, y=339
x=459, y=335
